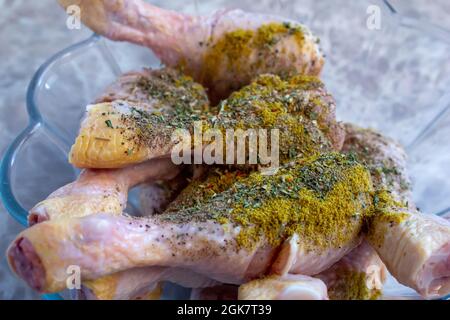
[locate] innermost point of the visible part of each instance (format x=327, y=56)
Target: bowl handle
x=9, y=200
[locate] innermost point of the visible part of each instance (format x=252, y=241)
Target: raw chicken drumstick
x=100, y=190
x=223, y=51
x=137, y=282
x=120, y=133
x=358, y=275
x=116, y=133
x=106, y=191
x=145, y=282
x=415, y=247
x=231, y=235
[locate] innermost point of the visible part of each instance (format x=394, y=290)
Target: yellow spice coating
x=298, y=107
x=119, y=133
x=387, y=213
x=333, y=220
x=325, y=199
x=352, y=285
x=278, y=48
x=105, y=288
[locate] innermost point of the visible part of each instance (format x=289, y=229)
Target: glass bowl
x=393, y=77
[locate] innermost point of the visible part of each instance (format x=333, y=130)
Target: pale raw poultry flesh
x=285, y=236
x=196, y=239
x=135, y=118
x=106, y=191
x=100, y=190
x=414, y=246
x=122, y=132
x=191, y=236
x=223, y=51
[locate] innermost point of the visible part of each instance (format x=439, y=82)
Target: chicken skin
x=359, y=275
x=119, y=133
x=145, y=283
x=223, y=51
x=415, y=247
x=328, y=222
x=106, y=191
x=100, y=190
x=155, y=197
x=116, y=133
x=230, y=242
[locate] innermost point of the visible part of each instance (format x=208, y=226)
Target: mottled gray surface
x=31, y=31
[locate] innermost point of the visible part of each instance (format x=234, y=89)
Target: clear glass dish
x=395, y=79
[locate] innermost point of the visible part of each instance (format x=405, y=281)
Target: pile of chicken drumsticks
x=330, y=223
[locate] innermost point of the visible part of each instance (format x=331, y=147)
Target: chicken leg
x=116, y=133
x=119, y=133
x=223, y=51
x=415, y=247
x=100, y=190
x=230, y=241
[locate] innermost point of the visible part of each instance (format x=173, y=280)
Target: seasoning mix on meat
x=332, y=219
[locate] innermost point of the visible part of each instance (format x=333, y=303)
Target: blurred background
x=31, y=31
